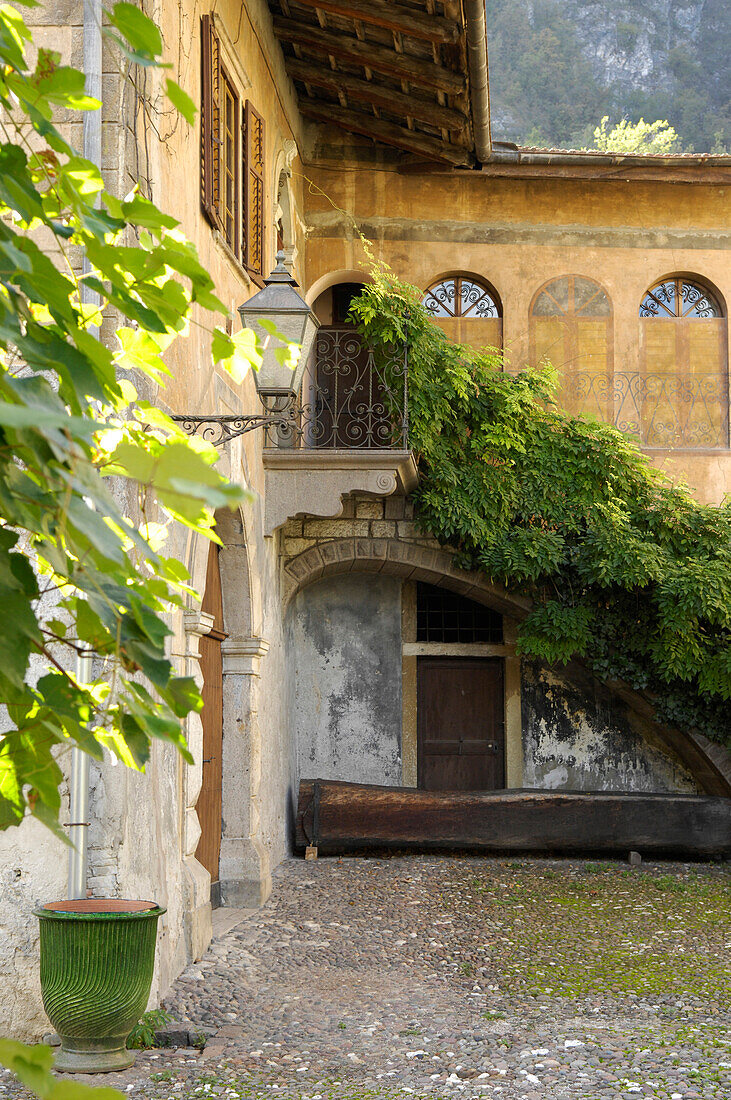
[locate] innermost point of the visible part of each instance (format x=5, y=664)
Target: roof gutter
x=505, y=153
x=479, y=84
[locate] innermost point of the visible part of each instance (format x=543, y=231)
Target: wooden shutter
x=210, y=122
x=476, y=332
x=684, y=382
x=252, y=235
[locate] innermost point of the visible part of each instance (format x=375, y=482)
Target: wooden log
x=392, y=17
x=366, y=91
x=343, y=817
x=378, y=58
x=387, y=132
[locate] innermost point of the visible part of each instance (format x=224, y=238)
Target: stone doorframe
x=411, y=650
x=197, y=881
x=244, y=867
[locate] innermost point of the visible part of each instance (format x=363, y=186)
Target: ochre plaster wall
x=518, y=234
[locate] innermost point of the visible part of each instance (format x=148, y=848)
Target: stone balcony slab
x=314, y=482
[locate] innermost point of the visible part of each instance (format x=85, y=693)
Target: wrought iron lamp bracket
x=219, y=429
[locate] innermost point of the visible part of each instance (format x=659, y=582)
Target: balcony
x=665, y=411
x=348, y=434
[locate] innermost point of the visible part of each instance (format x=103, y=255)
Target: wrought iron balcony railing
x=663, y=410
x=348, y=400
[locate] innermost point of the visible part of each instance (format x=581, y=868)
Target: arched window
x=467, y=309
x=571, y=327
x=680, y=397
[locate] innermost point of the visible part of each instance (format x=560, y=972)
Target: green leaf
x=32, y=1066
x=138, y=29
x=181, y=101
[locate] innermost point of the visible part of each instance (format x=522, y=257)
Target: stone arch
x=346, y=275
x=710, y=764
x=401, y=559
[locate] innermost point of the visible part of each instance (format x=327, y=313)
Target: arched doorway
x=571, y=326
x=349, y=401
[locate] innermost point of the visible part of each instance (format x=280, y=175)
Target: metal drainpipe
x=79, y=803
x=479, y=85
x=91, y=150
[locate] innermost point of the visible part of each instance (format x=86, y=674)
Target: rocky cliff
x=557, y=66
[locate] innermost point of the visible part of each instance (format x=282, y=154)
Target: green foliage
x=32, y=1066
x=142, y=1036
x=556, y=66
x=82, y=562
x=640, y=137
x=624, y=569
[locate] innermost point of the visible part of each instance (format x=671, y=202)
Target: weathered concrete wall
x=574, y=742
x=345, y=645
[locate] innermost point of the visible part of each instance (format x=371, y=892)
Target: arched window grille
x=571, y=326
x=680, y=396
x=679, y=297
x=467, y=309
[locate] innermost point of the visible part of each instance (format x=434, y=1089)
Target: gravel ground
x=381, y=977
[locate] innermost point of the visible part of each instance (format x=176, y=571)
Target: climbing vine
x=625, y=569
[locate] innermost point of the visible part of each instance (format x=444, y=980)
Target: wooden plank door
x=208, y=806
x=460, y=724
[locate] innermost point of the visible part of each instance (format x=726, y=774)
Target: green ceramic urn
x=97, y=960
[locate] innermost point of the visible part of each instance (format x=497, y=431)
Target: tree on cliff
x=636, y=137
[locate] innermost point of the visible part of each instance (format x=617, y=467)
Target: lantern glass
x=279, y=316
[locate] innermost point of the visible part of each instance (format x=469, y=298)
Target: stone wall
x=361, y=517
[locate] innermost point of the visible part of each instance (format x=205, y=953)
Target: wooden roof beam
x=391, y=16
x=443, y=118
x=386, y=132
x=369, y=55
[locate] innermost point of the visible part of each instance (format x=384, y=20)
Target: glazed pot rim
x=99, y=909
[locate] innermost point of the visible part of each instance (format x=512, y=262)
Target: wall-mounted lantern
x=280, y=317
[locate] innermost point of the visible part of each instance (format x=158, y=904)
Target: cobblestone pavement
x=432, y=976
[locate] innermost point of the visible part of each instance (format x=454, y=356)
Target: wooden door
x=460, y=724
x=208, y=806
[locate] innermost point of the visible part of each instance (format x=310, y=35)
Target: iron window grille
x=445, y=616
